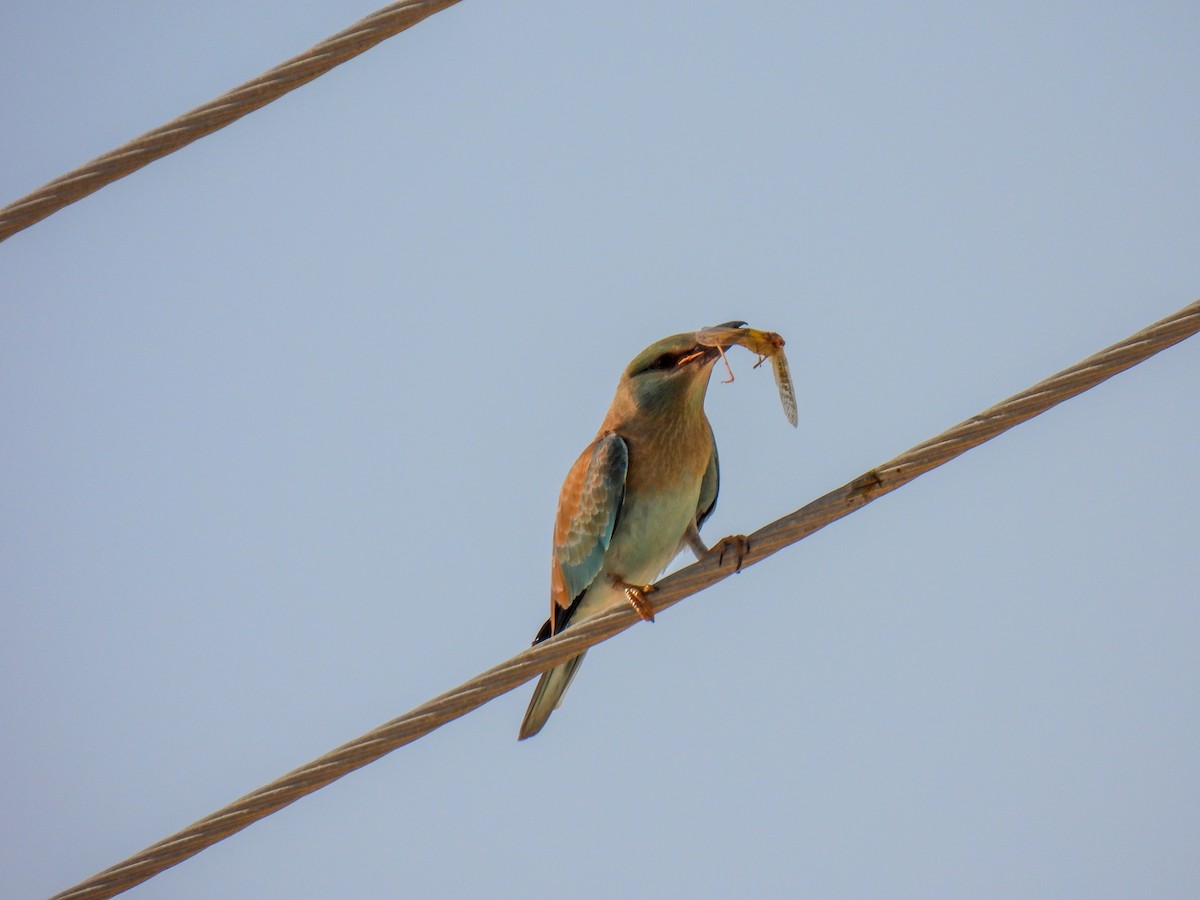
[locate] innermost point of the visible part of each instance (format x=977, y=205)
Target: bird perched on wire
x=634, y=498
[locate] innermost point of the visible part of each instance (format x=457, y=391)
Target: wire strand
x=521, y=668
x=216, y=114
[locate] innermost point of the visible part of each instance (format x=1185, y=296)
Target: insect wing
x=783, y=379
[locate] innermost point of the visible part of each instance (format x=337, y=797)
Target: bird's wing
x=587, y=515
x=710, y=486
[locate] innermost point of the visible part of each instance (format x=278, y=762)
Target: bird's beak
x=712, y=342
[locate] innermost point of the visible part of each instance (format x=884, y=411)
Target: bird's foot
x=637, y=599
x=736, y=546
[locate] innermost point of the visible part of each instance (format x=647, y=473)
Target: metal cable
x=526, y=665
x=215, y=114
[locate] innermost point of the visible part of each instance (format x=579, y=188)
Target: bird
x=635, y=497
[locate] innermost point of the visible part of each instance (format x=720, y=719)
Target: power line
x=216, y=114
x=532, y=662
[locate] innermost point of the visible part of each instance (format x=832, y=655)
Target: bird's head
x=671, y=374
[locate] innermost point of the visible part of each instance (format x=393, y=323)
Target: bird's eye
x=666, y=361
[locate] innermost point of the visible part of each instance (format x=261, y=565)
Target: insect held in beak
x=767, y=345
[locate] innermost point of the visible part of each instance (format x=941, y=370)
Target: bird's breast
x=662, y=491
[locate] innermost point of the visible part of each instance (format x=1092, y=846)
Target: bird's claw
x=736, y=545
x=637, y=599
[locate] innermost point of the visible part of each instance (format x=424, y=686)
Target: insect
x=767, y=345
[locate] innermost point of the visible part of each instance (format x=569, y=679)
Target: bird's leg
x=692, y=538
x=637, y=598
x=736, y=545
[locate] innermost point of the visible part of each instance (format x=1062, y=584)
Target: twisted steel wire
x=532, y=662
x=216, y=114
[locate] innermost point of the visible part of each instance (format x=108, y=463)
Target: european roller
x=636, y=495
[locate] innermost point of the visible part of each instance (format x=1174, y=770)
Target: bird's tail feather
x=547, y=696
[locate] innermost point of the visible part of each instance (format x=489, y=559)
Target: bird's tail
x=547, y=696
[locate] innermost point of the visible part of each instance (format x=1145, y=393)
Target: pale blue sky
x=285, y=417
